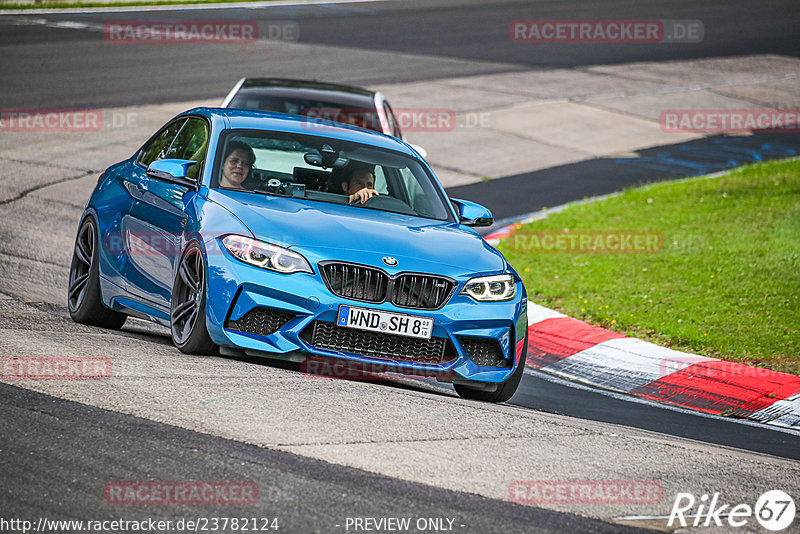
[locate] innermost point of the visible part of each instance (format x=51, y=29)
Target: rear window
x=314, y=109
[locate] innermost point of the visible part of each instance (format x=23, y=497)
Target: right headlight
x=266, y=255
x=491, y=288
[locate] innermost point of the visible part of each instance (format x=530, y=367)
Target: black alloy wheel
x=188, y=306
x=83, y=297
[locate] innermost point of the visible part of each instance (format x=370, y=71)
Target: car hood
x=323, y=231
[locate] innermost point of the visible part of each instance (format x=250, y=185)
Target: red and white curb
x=575, y=350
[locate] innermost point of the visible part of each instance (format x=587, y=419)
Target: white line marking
x=179, y=7
x=623, y=364
x=537, y=313
x=783, y=413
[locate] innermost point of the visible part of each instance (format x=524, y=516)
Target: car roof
x=265, y=120
x=346, y=95
x=305, y=84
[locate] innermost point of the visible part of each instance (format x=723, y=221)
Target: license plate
x=387, y=322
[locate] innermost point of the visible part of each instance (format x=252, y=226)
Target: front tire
x=504, y=391
x=83, y=295
x=188, y=305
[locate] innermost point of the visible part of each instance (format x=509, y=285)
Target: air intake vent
x=324, y=335
x=485, y=352
x=260, y=321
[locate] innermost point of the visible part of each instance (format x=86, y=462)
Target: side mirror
x=174, y=171
x=472, y=214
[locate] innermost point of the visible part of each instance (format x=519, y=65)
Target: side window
x=159, y=146
x=191, y=143
x=380, y=181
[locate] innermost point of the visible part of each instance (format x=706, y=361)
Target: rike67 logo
x=774, y=510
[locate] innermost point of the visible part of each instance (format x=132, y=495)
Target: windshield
x=329, y=170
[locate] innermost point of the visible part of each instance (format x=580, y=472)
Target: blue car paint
x=351, y=228
x=126, y=200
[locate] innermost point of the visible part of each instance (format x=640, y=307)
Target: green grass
x=725, y=284
x=79, y=4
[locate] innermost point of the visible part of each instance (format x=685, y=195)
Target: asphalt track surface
x=66, y=67
x=46, y=66
x=63, y=476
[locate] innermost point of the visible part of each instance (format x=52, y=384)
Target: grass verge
x=724, y=281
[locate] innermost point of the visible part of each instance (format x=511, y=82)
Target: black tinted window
x=191, y=142
x=159, y=146
x=313, y=109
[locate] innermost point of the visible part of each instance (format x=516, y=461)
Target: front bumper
x=271, y=313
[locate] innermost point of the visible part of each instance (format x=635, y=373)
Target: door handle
x=141, y=185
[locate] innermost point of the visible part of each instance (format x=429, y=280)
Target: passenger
x=356, y=180
x=237, y=166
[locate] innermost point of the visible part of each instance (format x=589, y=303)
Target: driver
x=357, y=180
x=237, y=166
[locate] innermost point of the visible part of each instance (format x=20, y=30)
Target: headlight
x=491, y=288
x=266, y=256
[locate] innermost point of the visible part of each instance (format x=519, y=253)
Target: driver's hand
x=363, y=195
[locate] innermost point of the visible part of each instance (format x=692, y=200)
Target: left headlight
x=265, y=255
x=491, y=288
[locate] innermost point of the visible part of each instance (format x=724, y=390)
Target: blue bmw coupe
x=273, y=235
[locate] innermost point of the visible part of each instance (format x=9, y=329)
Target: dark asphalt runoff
x=57, y=456
x=556, y=396
x=512, y=196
